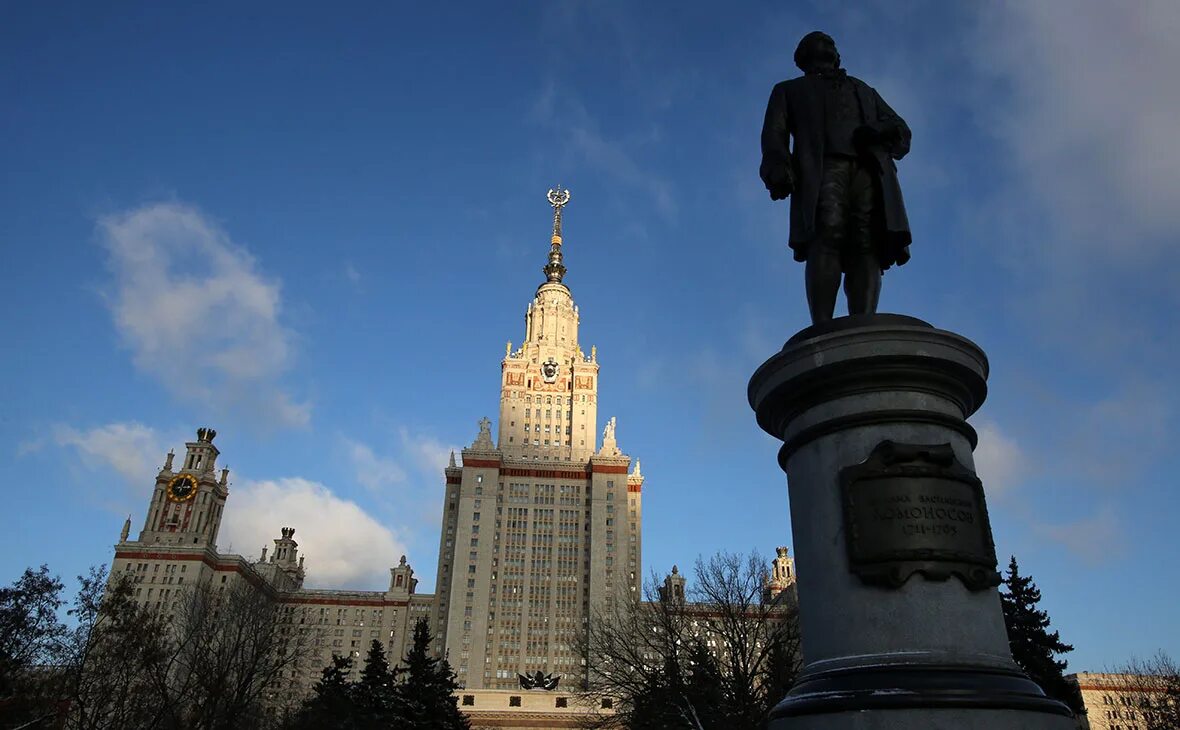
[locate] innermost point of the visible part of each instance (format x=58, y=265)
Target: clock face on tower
x=182, y=488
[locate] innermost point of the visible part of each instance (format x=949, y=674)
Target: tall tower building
x=543, y=524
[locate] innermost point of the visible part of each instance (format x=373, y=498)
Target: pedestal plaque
x=915, y=509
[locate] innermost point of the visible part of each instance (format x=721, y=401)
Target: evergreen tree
x=782, y=667
x=1033, y=647
x=378, y=701
x=661, y=704
x=428, y=687
x=704, y=690
x=331, y=704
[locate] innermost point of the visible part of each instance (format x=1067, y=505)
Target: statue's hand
x=781, y=191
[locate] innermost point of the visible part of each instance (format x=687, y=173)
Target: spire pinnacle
x=555, y=270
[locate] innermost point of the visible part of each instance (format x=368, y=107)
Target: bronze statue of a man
x=847, y=214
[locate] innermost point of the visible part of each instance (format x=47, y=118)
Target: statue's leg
x=823, y=255
x=862, y=270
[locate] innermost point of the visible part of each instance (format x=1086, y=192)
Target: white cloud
x=999, y=460
x=344, y=546
x=197, y=314
x=131, y=449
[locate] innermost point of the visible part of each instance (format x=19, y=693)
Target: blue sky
x=315, y=230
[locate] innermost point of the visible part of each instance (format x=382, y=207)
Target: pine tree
x=378, y=701
x=1033, y=647
x=428, y=687
x=782, y=667
x=704, y=690
x=331, y=703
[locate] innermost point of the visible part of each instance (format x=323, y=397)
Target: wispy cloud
x=372, y=471
x=1093, y=116
x=404, y=473
x=1096, y=539
x=558, y=108
x=1081, y=106
x=429, y=455
x=133, y=450
x=197, y=314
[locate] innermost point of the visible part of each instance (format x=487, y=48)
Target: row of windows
x=536, y=400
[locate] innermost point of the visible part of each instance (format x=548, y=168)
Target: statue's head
x=817, y=52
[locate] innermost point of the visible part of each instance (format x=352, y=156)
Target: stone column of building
x=541, y=525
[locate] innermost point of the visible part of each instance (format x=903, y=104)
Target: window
x=469, y=699
x=561, y=702
x=514, y=701
x=607, y=703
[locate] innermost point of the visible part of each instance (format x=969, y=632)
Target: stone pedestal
x=901, y=619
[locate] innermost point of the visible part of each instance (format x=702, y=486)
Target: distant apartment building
x=1127, y=701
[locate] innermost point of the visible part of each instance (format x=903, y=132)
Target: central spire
x=555, y=270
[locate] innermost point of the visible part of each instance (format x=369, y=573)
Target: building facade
x=177, y=550
x=544, y=523
x=539, y=526
x=1116, y=701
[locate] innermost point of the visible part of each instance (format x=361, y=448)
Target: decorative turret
x=201, y=454
x=673, y=589
x=782, y=575
x=286, y=555
x=401, y=579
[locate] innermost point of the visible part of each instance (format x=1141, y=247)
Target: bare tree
x=230, y=652
x=719, y=657
x=209, y=660
x=747, y=630
x=1148, y=690
x=116, y=659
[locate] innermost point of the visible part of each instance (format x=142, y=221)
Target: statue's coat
x=796, y=107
